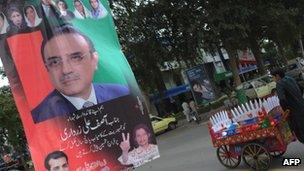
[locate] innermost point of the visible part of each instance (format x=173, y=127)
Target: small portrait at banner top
x=98, y=11
x=56, y=161
x=3, y=23
x=48, y=9
x=203, y=89
x=31, y=17
x=63, y=9
x=81, y=12
x=144, y=150
x=71, y=60
x=16, y=20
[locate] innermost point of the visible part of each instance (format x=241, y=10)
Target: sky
x=3, y=81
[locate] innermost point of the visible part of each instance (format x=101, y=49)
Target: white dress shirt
x=46, y=9
x=79, y=102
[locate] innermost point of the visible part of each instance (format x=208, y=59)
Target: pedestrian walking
x=192, y=106
x=290, y=97
x=186, y=110
x=193, y=111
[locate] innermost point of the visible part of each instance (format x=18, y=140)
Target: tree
x=281, y=26
x=2, y=73
x=139, y=31
x=162, y=30
x=11, y=130
x=153, y=32
x=225, y=27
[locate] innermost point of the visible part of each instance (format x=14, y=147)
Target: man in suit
x=71, y=60
x=47, y=8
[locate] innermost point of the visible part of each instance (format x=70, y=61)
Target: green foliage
x=212, y=105
x=178, y=116
x=2, y=73
x=165, y=30
x=204, y=108
x=270, y=50
x=11, y=131
x=153, y=32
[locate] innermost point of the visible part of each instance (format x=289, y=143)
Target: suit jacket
x=55, y=104
x=52, y=13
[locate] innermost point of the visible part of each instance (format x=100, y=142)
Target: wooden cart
x=256, y=146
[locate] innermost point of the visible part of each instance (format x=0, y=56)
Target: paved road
x=188, y=148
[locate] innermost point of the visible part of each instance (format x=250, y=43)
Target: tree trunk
x=218, y=48
x=150, y=107
x=177, y=77
x=301, y=45
x=256, y=50
x=159, y=82
x=23, y=162
x=160, y=86
x=281, y=52
x=233, y=66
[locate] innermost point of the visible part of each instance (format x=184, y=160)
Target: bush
x=178, y=116
x=204, y=108
x=216, y=105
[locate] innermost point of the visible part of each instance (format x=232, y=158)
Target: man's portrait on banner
x=63, y=10
x=71, y=61
x=56, y=160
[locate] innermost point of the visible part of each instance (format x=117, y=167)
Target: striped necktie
x=87, y=104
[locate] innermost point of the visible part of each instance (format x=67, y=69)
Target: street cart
x=256, y=142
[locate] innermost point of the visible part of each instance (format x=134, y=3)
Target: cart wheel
x=277, y=154
x=256, y=156
x=226, y=158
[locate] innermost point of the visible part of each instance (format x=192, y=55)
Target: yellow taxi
x=162, y=124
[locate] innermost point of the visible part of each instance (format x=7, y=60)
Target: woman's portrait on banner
x=31, y=17
x=81, y=12
x=16, y=20
x=98, y=11
x=3, y=23
x=144, y=150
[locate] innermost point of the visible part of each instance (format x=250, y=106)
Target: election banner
x=200, y=84
x=78, y=100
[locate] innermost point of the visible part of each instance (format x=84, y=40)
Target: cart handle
x=286, y=114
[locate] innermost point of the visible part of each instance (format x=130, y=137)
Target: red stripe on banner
x=25, y=50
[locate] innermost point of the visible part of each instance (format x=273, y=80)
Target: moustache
x=69, y=77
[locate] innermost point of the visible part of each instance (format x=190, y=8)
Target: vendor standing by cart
x=290, y=97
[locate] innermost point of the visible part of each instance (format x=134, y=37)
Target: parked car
x=295, y=69
x=268, y=80
x=162, y=124
x=259, y=87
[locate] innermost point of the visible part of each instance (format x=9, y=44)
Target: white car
x=259, y=87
